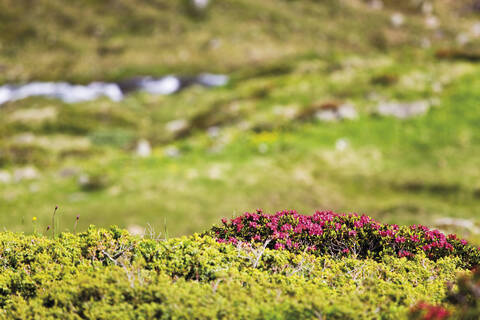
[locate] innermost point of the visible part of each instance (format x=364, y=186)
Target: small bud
x=48, y=228
x=56, y=207
x=34, y=219
x=78, y=217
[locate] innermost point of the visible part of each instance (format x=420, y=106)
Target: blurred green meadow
x=299, y=125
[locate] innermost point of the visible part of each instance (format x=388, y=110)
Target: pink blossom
x=400, y=239
x=358, y=224
x=288, y=243
x=404, y=253
x=375, y=226
x=365, y=219
x=272, y=226
x=298, y=229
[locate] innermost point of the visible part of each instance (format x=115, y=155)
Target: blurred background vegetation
x=349, y=105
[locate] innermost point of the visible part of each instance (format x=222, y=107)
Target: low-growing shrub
x=465, y=296
x=109, y=274
x=343, y=235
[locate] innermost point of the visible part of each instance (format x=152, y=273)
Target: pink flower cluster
x=425, y=311
x=326, y=232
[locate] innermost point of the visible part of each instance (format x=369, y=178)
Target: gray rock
x=213, y=132
x=432, y=22
x=176, y=125
x=463, y=39
x=459, y=223
x=427, y=8
x=200, y=4
x=341, y=144
x=26, y=173
x=347, y=111
x=343, y=112
x=326, y=115
x=212, y=80
x=397, y=19
x=144, y=149
x=172, y=152
x=5, y=177
x=403, y=110
x=68, y=172
x=376, y=4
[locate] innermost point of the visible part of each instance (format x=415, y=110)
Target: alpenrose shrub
x=342, y=235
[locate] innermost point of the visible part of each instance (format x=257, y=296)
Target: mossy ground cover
x=109, y=274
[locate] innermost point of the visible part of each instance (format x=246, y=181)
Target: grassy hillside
x=85, y=40
x=250, y=145
x=257, y=142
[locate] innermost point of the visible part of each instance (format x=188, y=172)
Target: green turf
x=284, y=58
